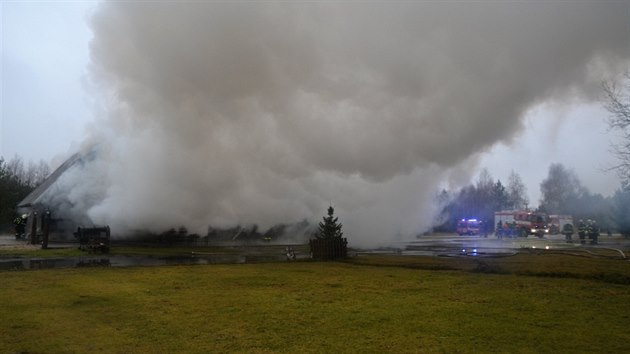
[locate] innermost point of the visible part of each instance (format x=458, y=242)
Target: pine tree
x=330, y=228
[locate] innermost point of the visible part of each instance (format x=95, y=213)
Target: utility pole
x=46, y=228
x=34, y=228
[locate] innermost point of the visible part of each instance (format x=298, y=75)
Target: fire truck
x=523, y=223
x=557, y=222
x=468, y=227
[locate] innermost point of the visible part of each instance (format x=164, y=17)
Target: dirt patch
x=8, y=242
x=20, y=246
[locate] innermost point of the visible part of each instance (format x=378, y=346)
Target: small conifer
x=330, y=228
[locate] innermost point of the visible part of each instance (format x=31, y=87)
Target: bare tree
x=621, y=212
x=41, y=172
x=484, y=181
x=15, y=167
x=32, y=175
x=12, y=189
x=500, y=197
x=617, y=102
x=517, y=191
x=484, y=203
x=561, y=190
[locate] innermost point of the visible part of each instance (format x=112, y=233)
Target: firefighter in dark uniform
x=511, y=229
x=567, y=231
x=20, y=226
x=582, y=231
x=499, y=230
x=593, y=233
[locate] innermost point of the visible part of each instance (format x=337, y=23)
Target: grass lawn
x=523, y=304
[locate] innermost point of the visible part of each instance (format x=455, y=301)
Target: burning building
x=50, y=203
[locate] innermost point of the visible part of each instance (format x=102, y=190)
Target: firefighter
x=582, y=231
x=20, y=226
x=567, y=230
x=499, y=230
x=593, y=232
x=512, y=227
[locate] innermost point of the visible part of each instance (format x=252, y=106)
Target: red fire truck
x=557, y=223
x=468, y=227
x=521, y=223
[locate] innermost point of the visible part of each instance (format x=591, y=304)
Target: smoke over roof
x=260, y=113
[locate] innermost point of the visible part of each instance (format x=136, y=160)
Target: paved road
x=455, y=244
x=9, y=240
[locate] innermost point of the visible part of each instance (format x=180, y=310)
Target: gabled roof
x=34, y=197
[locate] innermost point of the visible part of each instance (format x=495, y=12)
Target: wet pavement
x=128, y=261
x=432, y=245
x=455, y=245
x=249, y=255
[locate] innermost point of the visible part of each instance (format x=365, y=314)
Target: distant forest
x=16, y=182
x=561, y=193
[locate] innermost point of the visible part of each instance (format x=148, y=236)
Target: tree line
x=17, y=180
x=561, y=193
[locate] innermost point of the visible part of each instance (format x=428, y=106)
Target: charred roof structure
x=50, y=198
x=34, y=200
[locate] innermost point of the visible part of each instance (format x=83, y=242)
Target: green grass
x=523, y=304
x=37, y=252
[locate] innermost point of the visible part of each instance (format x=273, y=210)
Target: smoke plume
x=228, y=113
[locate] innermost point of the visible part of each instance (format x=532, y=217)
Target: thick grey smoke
x=260, y=113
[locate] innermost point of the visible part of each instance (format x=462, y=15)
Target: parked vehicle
x=520, y=223
x=468, y=227
x=557, y=223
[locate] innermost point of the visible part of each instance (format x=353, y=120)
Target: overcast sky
x=50, y=101
x=45, y=106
